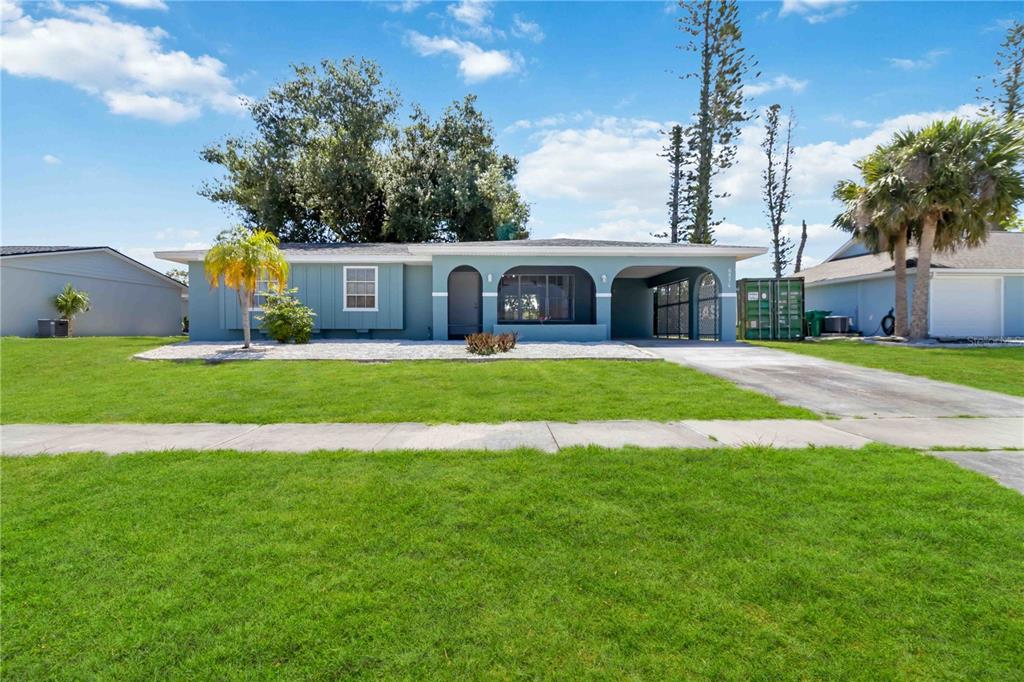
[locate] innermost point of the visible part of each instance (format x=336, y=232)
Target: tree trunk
x=800, y=251
x=900, y=283
x=919, y=309
x=244, y=299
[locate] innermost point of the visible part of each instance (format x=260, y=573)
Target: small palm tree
x=960, y=179
x=241, y=258
x=877, y=214
x=69, y=303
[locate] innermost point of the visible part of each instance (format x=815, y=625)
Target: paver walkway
x=835, y=388
x=387, y=351
x=982, y=433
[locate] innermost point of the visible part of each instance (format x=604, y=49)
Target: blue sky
x=105, y=106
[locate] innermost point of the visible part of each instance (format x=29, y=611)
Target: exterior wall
x=632, y=309
x=866, y=301
x=403, y=303
x=1013, y=306
x=125, y=299
x=602, y=269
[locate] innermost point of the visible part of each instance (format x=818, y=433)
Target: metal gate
x=672, y=310
x=709, y=308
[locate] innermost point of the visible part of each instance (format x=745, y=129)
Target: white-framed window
x=360, y=286
x=259, y=297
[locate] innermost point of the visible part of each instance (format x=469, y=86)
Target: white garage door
x=967, y=306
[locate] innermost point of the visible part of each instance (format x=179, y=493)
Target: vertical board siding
x=320, y=286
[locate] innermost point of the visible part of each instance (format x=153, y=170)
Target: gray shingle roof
x=28, y=250
x=1002, y=251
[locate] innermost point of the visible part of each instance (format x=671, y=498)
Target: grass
x=992, y=369
x=616, y=564
x=95, y=380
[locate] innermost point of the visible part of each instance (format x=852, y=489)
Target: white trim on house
x=439, y=294
x=912, y=272
x=728, y=295
x=607, y=294
x=423, y=253
x=490, y=294
x=344, y=289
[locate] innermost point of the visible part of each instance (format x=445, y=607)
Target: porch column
x=694, y=307
x=489, y=301
x=440, y=302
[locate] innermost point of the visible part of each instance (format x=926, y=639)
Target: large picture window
x=536, y=298
x=360, y=288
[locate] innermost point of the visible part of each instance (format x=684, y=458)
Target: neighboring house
x=126, y=297
x=975, y=292
x=544, y=289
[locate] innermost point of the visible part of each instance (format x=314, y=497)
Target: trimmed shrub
x=285, y=318
x=486, y=343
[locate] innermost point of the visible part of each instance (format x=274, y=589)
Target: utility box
x=770, y=309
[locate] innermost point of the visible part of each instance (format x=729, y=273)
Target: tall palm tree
x=875, y=212
x=242, y=258
x=960, y=178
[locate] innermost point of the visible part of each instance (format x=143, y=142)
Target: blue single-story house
x=976, y=292
x=543, y=289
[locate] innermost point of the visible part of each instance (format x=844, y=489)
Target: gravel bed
x=385, y=351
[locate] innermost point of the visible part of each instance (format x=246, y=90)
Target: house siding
x=403, y=307
x=408, y=308
x=866, y=301
x=125, y=300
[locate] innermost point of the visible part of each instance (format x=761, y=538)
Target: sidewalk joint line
x=218, y=445
x=558, y=448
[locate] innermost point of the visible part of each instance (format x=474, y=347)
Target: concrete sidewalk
x=981, y=433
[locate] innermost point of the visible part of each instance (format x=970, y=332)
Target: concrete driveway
x=834, y=388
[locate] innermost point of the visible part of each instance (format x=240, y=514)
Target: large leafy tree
x=241, y=258
x=328, y=162
x=878, y=212
x=960, y=179
x=714, y=35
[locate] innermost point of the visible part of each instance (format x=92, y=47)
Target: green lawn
x=614, y=564
x=95, y=380
x=993, y=369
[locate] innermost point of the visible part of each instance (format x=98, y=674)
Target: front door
x=464, y=288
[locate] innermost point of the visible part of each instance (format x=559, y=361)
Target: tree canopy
x=328, y=161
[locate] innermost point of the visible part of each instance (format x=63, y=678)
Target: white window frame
x=344, y=289
x=266, y=283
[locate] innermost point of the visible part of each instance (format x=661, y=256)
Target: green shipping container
x=770, y=309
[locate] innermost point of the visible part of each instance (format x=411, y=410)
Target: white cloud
x=603, y=178
x=816, y=11
x=143, y=4
x=51, y=160
x=926, y=62
x=475, y=63
x=782, y=82
x=474, y=15
x=405, y=7
x=523, y=28
x=123, y=64
x=177, y=233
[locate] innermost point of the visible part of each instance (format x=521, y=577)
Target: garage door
x=967, y=306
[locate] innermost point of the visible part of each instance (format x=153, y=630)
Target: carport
x=668, y=302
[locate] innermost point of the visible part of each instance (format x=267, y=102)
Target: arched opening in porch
x=546, y=295
x=666, y=302
x=465, y=296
